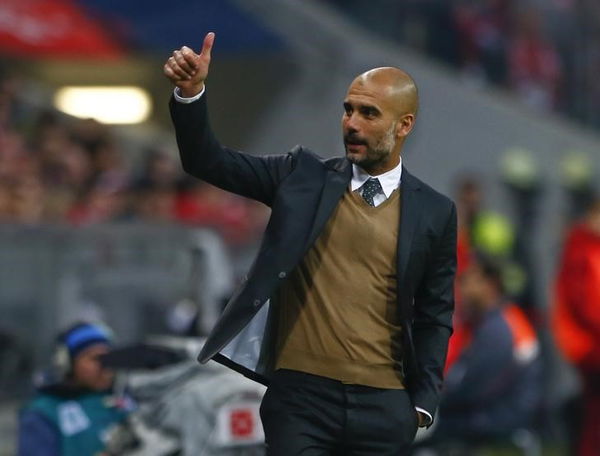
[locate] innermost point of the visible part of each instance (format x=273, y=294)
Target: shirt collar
x=390, y=180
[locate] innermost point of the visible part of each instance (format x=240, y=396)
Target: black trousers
x=308, y=415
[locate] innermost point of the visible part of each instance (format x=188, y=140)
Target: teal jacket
x=68, y=425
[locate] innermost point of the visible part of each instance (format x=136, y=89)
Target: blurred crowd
x=546, y=52
x=57, y=169
x=499, y=366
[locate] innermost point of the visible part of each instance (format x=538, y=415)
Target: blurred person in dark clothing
x=108, y=200
x=535, y=67
x=20, y=173
x=482, y=27
x=487, y=231
x=28, y=199
x=154, y=204
x=70, y=178
x=89, y=133
x=478, y=230
x=11, y=112
x=76, y=168
x=74, y=408
x=159, y=170
x=14, y=157
x=5, y=201
x=468, y=201
x=576, y=319
x=108, y=164
x=494, y=234
x=155, y=189
x=49, y=142
x=494, y=386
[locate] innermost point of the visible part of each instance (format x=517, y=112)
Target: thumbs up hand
x=187, y=69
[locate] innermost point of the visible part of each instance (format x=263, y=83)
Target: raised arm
x=201, y=153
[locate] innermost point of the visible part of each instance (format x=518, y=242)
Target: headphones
x=73, y=341
x=62, y=364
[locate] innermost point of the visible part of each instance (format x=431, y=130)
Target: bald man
x=346, y=312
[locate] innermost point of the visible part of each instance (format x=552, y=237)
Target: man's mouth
x=354, y=145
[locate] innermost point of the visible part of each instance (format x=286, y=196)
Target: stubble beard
x=379, y=153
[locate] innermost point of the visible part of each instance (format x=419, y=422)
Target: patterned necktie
x=369, y=189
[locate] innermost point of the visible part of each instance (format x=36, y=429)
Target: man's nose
x=352, y=124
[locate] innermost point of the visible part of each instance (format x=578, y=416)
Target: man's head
x=379, y=112
x=84, y=343
x=481, y=286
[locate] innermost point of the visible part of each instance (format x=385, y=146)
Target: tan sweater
x=338, y=313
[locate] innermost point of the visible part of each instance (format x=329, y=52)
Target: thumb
x=207, y=45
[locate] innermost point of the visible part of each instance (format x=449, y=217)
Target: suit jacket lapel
x=410, y=214
x=337, y=180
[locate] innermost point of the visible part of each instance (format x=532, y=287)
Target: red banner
x=52, y=28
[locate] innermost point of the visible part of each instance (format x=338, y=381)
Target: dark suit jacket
x=302, y=190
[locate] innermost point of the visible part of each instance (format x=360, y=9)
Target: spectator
x=577, y=319
x=155, y=204
x=482, y=29
x=545, y=51
x=534, y=64
x=105, y=202
x=74, y=410
x=71, y=170
x=156, y=188
x=159, y=170
x=108, y=165
x=28, y=199
x=493, y=387
x=486, y=230
x=5, y=201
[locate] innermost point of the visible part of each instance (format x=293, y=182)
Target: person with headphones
x=74, y=409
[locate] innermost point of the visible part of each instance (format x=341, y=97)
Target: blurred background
x=98, y=221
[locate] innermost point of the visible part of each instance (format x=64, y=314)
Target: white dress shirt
x=186, y=100
x=390, y=181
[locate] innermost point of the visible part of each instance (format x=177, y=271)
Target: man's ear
x=405, y=125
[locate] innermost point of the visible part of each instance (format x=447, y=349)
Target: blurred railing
x=129, y=275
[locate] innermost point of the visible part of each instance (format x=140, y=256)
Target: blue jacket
x=494, y=387
x=67, y=425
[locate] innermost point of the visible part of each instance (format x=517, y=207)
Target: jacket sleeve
x=432, y=323
x=37, y=436
x=202, y=156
